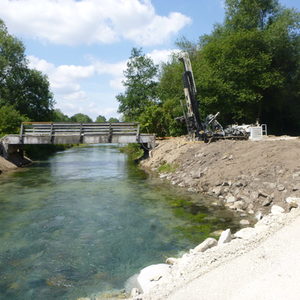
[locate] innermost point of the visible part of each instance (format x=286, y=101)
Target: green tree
x=10, y=120
x=101, y=119
x=140, y=86
x=80, y=118
x=59, y=116
x=113, y=120
x=25, y=89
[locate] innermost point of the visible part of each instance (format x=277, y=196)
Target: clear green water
x=86, y=219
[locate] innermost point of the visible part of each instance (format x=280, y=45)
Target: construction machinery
x=208, y=129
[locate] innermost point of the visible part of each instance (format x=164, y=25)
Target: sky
x=83, y=45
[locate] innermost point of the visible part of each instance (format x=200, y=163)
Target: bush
x=10, y=120
x=134, y=151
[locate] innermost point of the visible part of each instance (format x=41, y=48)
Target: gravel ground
x=263, y=266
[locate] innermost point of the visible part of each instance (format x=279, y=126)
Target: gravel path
x=271, y=271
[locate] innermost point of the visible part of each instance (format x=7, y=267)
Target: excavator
x=209, y=129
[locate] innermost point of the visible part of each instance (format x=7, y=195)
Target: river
x=86, y=219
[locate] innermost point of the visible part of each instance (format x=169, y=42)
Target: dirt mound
x=245, y=175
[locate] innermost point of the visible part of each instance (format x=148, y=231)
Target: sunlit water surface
x=86, y=219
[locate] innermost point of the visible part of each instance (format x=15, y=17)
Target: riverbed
x=84, y=220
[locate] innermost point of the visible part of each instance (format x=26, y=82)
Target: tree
x=59, y=116
x=113, y=120
x=80, y=118
x=10, y=120
x=250, y=14
x=140, y=86
x=25, y=89
x=249, y=67
x=101, y=119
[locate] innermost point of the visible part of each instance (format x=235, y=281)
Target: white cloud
x=66, y=83
x=159, y=56
x=72, y=22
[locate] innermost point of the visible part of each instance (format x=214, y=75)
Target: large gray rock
x=149, y=276
x=208, y=243
x=225, y=237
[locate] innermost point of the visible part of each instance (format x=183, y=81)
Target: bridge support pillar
x=13, y=153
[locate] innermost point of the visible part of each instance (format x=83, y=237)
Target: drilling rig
x=208, y=129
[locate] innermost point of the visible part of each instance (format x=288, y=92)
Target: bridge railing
x=81, y=129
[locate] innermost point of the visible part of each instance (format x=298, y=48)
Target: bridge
x=41, y=133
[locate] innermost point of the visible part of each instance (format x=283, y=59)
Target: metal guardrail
x=79, y=129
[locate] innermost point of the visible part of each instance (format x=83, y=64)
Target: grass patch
x=167, y=168
x=134, y=151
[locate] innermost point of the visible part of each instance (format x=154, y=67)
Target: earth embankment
x=6, y=165
x=246, y=176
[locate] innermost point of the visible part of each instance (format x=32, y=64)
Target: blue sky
x=83, y=45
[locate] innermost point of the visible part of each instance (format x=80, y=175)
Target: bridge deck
x=34, y=133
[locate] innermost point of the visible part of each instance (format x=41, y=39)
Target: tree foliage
x=249, y=68
x=140, y=86
x=113, y=120
x=10, y=120
x=24, y=93
x=101, y=119
x=59, y=116
x=81, y=118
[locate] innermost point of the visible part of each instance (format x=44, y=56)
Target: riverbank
x=6, y=165
x=246, y=176
x=261, y=178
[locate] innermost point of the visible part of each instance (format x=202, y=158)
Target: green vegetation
x=10, y=119
x=101, y=119
x=113, y=120
x=167, y=168
x=134, y=151
x=81, y=118
x=248, y=68
x=24, y=93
